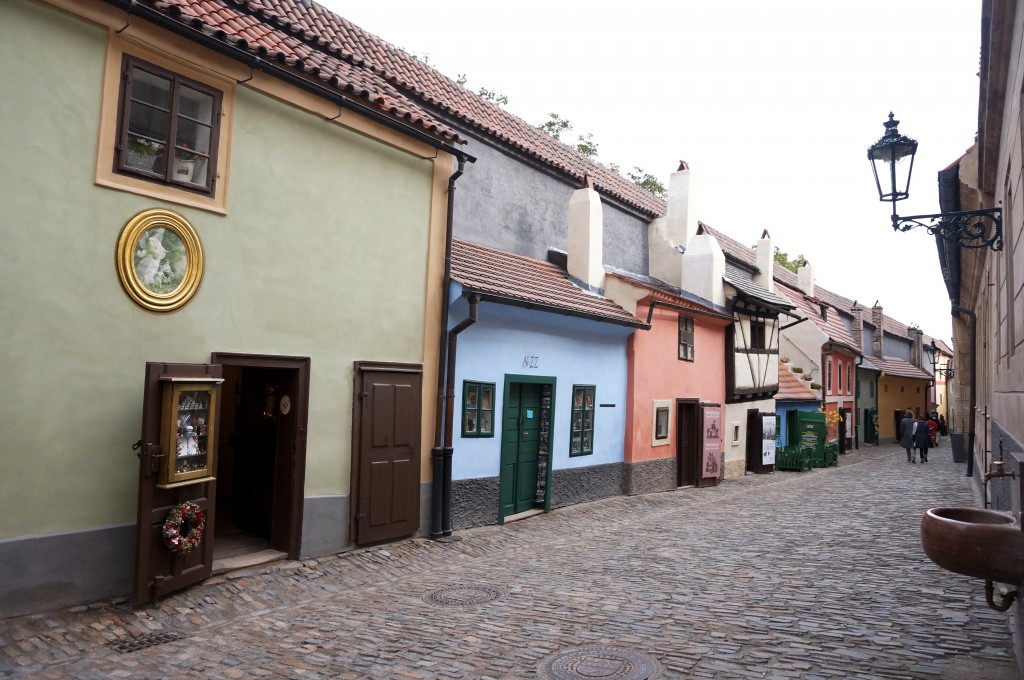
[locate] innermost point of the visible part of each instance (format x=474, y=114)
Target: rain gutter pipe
x=441, y=456
x=438, y=454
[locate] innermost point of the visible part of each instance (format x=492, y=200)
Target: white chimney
x=765, y=277
x=682, y=205
x=586, y=231
x=703, y=269
x=664, y=261
x=805, y=279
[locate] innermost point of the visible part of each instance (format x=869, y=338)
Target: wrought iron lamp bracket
x=968, y=229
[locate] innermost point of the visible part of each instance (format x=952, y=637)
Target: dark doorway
x=261, y=455
x=688, y=442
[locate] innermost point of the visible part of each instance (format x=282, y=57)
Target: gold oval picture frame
x=159, y=260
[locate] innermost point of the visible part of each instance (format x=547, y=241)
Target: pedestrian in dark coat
x=907, y=434
x=922, y=438
x=942, y=426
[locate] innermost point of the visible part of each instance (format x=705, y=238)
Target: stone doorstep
x=524, y=515
x=227, y=564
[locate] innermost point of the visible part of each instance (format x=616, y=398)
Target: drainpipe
x=441, y=497
x=956, y=310
x=856, y=398
x=437, y=454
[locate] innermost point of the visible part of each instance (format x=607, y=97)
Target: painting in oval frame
x=159, y=260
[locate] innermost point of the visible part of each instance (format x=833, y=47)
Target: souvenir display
x=581, y=437
x=188, y=417
x=544, y=446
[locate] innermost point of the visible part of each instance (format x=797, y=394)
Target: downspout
x=956, y=310
x=856, y=404
x=437, y=453
x=443, y=489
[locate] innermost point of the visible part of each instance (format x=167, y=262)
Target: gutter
x=441, y=456
x=552, y=309
x=186, y=30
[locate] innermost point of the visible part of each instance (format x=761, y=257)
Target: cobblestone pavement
x=792, y=575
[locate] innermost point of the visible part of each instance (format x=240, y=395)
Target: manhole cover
x=463, y=596
x=143, y=642
x=601, y=662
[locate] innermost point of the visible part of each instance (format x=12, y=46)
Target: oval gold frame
x=125, y=258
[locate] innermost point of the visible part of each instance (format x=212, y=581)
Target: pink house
x=675, y=389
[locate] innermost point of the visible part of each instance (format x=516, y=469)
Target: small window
x=582, y=434
x=735, y=434
x=661, y=423
x=757, y=335
x=477, y=409
x=849, y=381
x=829, y=381
x=871, y=389
x=685, y=338
x=840, y=377
x=168, y=127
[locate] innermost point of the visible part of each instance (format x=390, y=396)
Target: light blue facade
x=511, y=341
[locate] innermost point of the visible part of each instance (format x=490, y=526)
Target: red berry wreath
x=188, y=512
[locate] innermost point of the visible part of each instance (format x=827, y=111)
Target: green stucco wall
x=321, y=254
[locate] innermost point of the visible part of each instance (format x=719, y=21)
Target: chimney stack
x=682, y=206
x=765, y=277
x=858, y=328
x=805, y=278
x=586, y=231
x=704, y=267
x=876, y=319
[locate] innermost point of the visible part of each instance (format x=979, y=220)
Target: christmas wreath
x=188, y=512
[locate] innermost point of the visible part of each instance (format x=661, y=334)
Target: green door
x=520, y=441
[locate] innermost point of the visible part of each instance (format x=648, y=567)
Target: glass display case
x=187, y=430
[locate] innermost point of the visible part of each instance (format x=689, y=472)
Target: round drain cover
x=592, y=663
x=463, y=596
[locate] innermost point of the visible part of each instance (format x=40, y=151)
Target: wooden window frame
x=758, y=334
x=475, y=407
x=129, y=63
x=581, y=406
x=661, y=433
x=686, y=338
x=828, y=382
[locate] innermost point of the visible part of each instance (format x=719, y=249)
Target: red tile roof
x=518, y=280
x=293, y=35
x=899, y=368
x=792, y=387
x=289, y=31
x=833, y=326
x=662, y=291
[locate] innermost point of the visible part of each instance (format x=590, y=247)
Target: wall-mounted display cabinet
x=187, y=430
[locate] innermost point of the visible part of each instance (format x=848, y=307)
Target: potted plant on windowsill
x=142, y=153
x=184, y=163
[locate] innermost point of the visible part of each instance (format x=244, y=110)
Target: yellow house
x=224, y=252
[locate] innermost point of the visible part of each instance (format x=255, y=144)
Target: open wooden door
x=158, y=570
x=386, y=451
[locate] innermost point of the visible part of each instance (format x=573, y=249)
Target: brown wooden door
x=386, y=452
x=158, y=571
x=754, y=460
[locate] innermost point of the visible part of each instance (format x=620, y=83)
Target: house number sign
x=531, y=362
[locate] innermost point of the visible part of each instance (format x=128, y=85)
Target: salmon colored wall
x=656, y=373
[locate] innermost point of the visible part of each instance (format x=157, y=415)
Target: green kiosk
x=806, y=432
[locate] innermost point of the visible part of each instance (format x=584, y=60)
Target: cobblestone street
x=791, y=575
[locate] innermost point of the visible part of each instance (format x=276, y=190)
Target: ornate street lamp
x=946, y=372
x=892, y=161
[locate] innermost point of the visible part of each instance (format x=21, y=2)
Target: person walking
x=933, y=429
x=922, y=438
x=907, y=434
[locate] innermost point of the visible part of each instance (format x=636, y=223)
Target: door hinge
x=365, y=393
x=360, y=516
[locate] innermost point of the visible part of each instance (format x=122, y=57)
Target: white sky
x=773, y=105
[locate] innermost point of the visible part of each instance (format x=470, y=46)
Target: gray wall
x=503, y=202
x=895, y=347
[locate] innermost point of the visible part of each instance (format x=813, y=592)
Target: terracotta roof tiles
x=792, y=387
x=281, y=32
x=518, y=280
